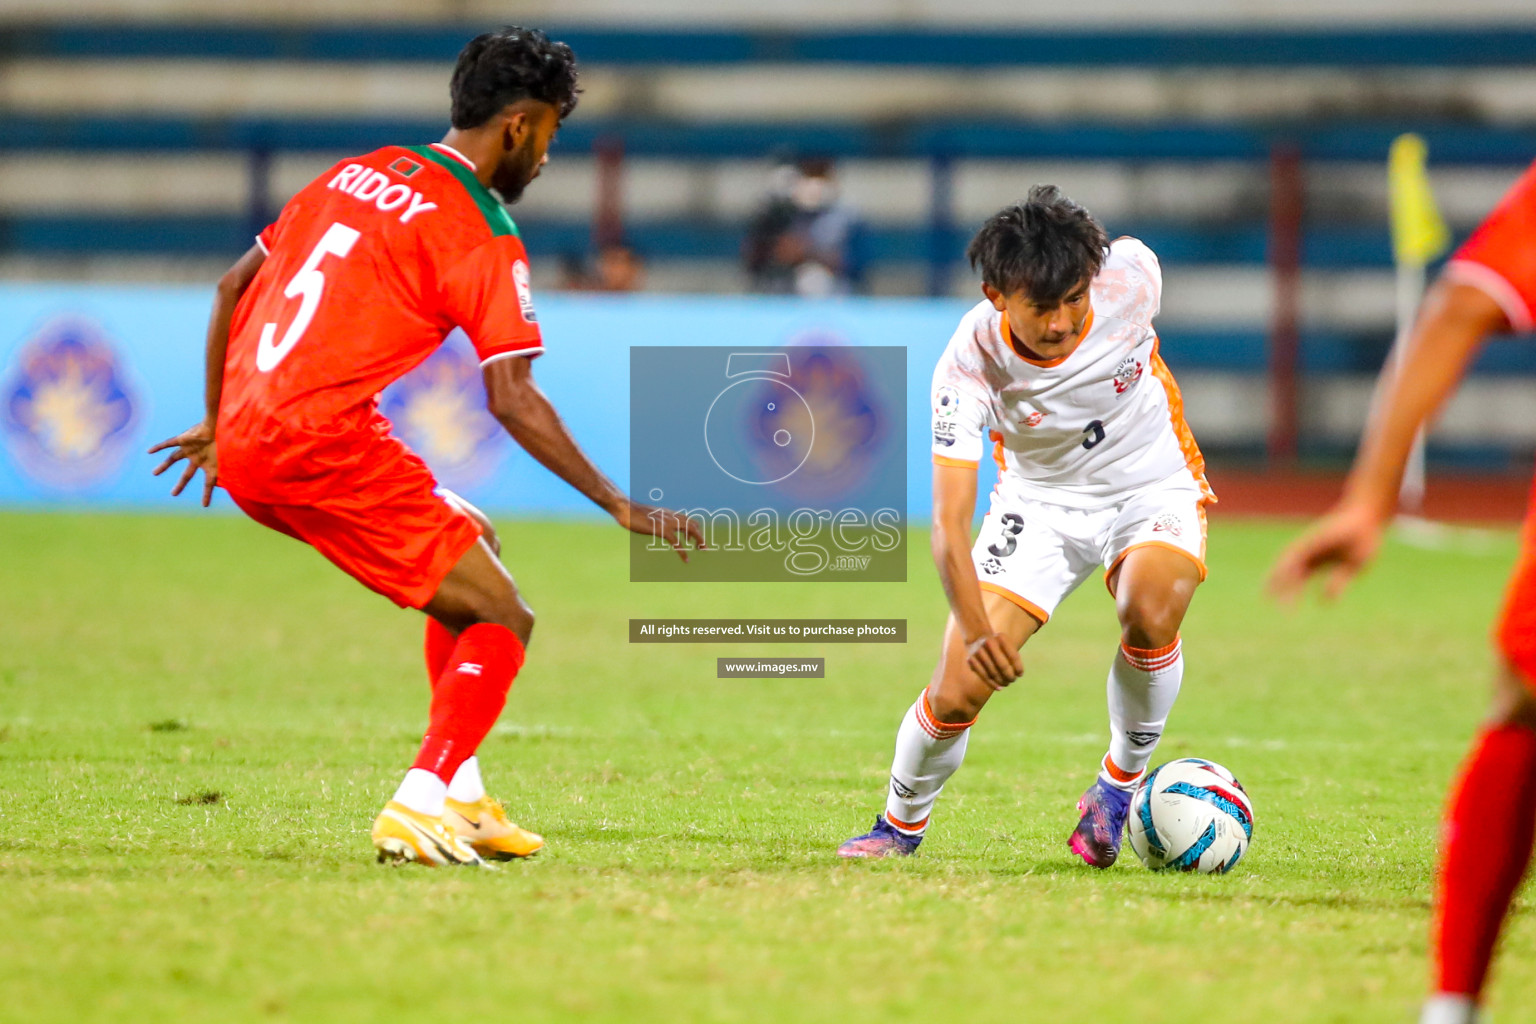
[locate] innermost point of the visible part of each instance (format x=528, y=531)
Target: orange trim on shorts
x=1029, y=606
x=1192, y=455
x=945, y=460
x=1199, y=561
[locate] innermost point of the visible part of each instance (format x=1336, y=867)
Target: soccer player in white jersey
x=1059, y=369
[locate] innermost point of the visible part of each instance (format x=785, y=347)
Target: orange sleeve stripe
x=945, y=460
x=1192, y=456
x=1040, y=614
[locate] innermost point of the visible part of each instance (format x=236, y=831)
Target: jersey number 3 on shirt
x=310, y=283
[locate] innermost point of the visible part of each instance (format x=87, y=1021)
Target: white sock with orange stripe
x=927, y=753
x=1143, y=684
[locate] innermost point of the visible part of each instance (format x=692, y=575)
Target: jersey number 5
x=309, y=282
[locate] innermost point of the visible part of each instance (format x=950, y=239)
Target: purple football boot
x=1097, y=836
x=881, y=841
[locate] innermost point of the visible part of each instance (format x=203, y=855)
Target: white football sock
x=422, y=792
x=466, y=786
x=1449, y=1008
x=927, y=753
x=1143, y=685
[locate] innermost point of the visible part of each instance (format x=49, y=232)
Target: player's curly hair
x=1044, y=247
x=510, y=64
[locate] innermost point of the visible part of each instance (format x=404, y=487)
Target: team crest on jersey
x=1168, y=523
x=69, y=412
x=1034, y=419
x=1127, y=373
x=524, y=286
x=439, y=410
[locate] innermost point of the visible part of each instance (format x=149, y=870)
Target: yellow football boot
x=484, y=826
x=401, y=834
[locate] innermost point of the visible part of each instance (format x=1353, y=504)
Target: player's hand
x=196, y=445
x=1342, y=543
x=675, y=528
x=994, y=660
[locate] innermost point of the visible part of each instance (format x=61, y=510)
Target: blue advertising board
x=91, y=376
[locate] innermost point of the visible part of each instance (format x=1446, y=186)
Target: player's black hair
x=1044, y=247
x=511, y=64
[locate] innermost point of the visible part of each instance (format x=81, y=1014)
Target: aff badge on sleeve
x=523, y=284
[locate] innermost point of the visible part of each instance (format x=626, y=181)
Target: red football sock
x=468, y=696
x=439, y=646
x=1488, y=836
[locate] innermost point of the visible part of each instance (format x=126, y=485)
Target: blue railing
x=1512, y=45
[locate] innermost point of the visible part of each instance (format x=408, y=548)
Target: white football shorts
x=1035, y=553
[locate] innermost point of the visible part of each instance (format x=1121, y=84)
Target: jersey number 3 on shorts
x=310, y=283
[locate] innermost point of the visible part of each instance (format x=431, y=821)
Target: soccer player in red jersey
x=364, y=273
x=1489, y=286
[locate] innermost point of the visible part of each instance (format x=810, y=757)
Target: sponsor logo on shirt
x=66, y=408
x=1034, y=419
x=1126, y=374
x=520, y=281
x=991, y=566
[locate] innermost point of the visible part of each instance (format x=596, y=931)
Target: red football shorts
x=395, y=535
x=1516, y=632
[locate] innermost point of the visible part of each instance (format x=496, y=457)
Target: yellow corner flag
x=1418, y=233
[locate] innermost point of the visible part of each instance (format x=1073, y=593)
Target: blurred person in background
x=804, y=239
x=617, y=267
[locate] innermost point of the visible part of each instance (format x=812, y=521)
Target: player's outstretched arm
x=196, y=444
x=516, y=401
x=989, y=655
x=1451, y=326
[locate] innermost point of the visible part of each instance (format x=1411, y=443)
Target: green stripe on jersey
x=496, y=216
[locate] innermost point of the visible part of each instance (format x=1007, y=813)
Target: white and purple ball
x=1190, y=815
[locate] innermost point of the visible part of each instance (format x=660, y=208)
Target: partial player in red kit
x=1489, y=286
x=364, y=273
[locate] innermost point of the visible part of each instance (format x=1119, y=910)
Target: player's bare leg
x=477, y=602
x=1487, y=848
x=1153, y=587
x=931, y=741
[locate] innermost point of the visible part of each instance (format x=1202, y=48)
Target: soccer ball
x=1190, y=815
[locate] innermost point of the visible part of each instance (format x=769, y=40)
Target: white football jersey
x=1081, y=431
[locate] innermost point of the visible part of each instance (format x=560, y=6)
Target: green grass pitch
x=199, y=719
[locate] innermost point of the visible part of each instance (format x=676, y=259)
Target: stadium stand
x=153, y=149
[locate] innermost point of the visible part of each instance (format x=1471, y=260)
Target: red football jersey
x=368, y=268
x=1500, y=257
